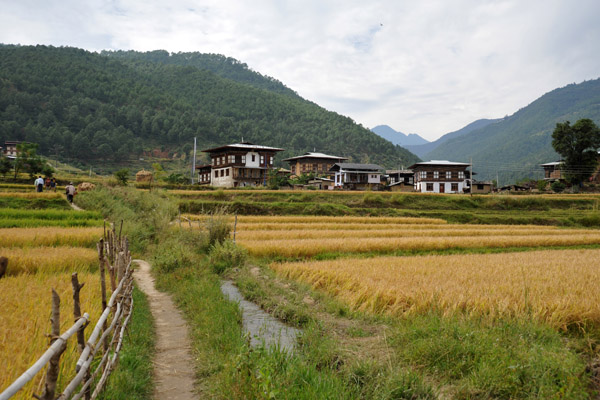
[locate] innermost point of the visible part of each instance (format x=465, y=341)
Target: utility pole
x=194, y=161
x=471, y=178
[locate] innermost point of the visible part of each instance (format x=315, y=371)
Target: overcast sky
x=426, y=67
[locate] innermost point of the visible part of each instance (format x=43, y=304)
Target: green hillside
x=94, y=107
x=514, y=147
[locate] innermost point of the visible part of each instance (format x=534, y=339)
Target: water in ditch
x=262, y=327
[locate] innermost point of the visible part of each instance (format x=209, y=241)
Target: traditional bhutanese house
x=320, y=183
x=204, y=172
x=353, y=176
x=401, y=180
x=481, y=187
x=241, y=164
x=318, y=163
x=553, y=171
x=441, y=176
x=10, y=149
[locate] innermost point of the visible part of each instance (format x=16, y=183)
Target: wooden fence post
x=77, y=314
x=77, y=309
x=53, y=365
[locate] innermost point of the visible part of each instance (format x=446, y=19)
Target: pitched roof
x=311, y=154
x=440, y=163
x=242, y=146
x=354, y=166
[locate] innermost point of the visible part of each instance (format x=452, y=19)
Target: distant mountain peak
x=397, y=137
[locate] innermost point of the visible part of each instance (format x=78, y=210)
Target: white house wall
x=222, y=181
x=374, y=178
x=255, y=163
x=422, y=187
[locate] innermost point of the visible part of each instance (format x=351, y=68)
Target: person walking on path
x=39, y=184
x=70, y=192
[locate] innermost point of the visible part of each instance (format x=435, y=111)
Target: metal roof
x=243, y=146
x=311, y=154
x=361, y=167
x=441, y=163
x=551, y=164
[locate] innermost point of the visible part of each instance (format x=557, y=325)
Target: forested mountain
x=423, y=150
x=90, y=106
x=225, y=67
x=398, y=137
x=514, y=147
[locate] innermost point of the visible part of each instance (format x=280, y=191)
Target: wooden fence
x=104, y=343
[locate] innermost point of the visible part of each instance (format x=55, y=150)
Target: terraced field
x=45, y=241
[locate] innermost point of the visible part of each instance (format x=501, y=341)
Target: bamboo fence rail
x=104, y=343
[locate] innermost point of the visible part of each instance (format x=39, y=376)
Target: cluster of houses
x=247, y=164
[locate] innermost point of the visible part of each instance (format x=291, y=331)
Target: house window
x=244, y=159
x=231, y=159
x=216, y=174
x=227, y=172
x=253, y=158
x=271, y=160
x=423, y=174
x=461, y=175
x=448, y=174
x=430, y=187
x=479, y=186
x=222, y=173
x=454, y=187
x=429, y=174
x=262, y=160
x=436, y=175
x=214, y=161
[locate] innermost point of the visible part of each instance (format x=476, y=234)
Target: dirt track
x=173, y=362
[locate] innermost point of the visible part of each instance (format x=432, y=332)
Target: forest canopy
x=114, y=105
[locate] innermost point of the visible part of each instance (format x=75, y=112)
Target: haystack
x=143, y=176
x=83, y=186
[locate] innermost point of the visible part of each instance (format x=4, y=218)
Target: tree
x=28, y=160
x=578, y=145
x=122, y=176
x=5, y=165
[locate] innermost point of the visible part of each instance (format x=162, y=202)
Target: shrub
x=171, y=254
x=218, y=227
x=558, y=186
x=122, y=176
x=226, y=255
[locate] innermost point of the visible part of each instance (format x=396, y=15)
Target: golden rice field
x=49, y=259
x=309, y=219
x=50, y=236
x=33, y=195
x=25, y=320
x=312, y=247
x=447, y=230
x=556, y=286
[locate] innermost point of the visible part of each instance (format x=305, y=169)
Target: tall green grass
x=132, y=379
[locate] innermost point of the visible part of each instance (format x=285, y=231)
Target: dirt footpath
x=173, y=362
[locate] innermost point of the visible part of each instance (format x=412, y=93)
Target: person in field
x=70, y=192
x=47, y=183
x=39, y=184
x=53, y=184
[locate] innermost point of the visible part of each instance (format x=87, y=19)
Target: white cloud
x=427, y=67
